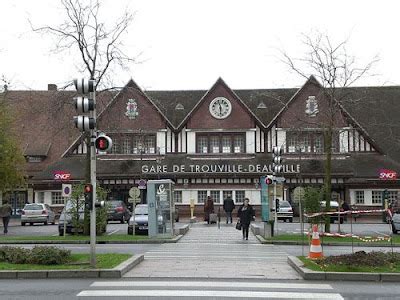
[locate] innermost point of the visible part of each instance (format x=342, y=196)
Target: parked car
x=70, y=227
x=334, y=207
x=396, y=222
x=140, y=220
x=118, y=211
x=37, y=213
x=285, y=211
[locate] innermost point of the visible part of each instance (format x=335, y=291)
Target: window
x=226, y=194
x=137, y=146
x=115, y=148
x=40, y=197
x=239, y=196
x=318, y=146
x=309, y=142
x=215, y=195
x=202, y=144
x=126, y=147
x=56, y=198
x=34, y=159
x=150, y=144
x=377, y=197
x=220, y=143
x=392, y=196
x=134, y=144
x=360, y=197
x=214, y=144
x=226, y=144
x=178, y=196
x=201, y=196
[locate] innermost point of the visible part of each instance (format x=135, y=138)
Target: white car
x=396, y=222
x=285, y=211
x=37, y=213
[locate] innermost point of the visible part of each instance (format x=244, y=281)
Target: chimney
x=52, y=87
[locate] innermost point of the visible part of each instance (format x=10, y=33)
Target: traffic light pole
x=276, y=212
x=93, y=182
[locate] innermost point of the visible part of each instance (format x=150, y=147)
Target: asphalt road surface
x=367, y=229
x=191, y=288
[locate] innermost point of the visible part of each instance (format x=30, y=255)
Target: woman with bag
x=246, y=214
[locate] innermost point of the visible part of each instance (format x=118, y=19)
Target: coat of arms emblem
x=131, y=109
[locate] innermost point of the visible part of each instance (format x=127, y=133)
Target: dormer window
x=34, y=159
x=179, y=106
x=311, y=106
x=261, y=105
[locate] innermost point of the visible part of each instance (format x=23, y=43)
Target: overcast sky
x=188, y=44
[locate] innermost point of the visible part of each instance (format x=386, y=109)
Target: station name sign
x=215, y=168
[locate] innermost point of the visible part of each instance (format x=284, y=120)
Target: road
x=193, y=288
x=208, y=263
x=368, y=229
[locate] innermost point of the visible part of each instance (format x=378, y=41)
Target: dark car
x=118, y=211
x=66, y=218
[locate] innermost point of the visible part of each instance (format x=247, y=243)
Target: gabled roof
x=274, y=99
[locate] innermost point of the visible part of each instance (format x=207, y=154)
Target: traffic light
x=88, y=192
x=85, y=104
x=277, y=205
x=269, y=179
x=103, y=143
x=277, y=160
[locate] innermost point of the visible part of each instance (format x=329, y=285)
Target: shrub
x=14, y=255
x=42, y=255
x=49, y=255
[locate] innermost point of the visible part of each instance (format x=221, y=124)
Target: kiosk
x=160, y=200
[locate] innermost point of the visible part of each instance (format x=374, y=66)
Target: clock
x=220, y=108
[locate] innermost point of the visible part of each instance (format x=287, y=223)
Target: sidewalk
x=208, y=252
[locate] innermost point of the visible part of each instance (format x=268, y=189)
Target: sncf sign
x=387, y=174
x=62, y=175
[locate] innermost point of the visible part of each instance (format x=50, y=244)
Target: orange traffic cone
x=315, y=247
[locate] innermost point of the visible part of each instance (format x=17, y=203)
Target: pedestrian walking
x=208, y=209
x=5, y=214
x=246, y=214
x=229, y=206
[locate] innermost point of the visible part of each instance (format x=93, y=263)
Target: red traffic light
x=88, y=188
x=268, y=180
x=103, y=143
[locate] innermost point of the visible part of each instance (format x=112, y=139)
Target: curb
x=329, y=244
x=30, y=242
x=307, y=274
x=116, y=272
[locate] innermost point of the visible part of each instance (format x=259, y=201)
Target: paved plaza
x=207, y=251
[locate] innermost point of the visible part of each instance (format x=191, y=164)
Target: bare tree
x=100, y=47
x=335, y=69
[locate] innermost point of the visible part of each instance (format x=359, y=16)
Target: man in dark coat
x=208, y=209
x=5, y=214
x=246, y=214
x=229, y=206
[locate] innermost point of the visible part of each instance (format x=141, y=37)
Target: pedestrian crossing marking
x=208, y=293
x=222, y=284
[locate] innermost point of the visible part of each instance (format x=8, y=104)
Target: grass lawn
x=310, y=264
x=329, y=239
x=79, y=261
x=114, y=237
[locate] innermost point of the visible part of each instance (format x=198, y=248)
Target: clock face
x=220, y=108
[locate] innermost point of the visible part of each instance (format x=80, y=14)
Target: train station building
x=213, y=142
